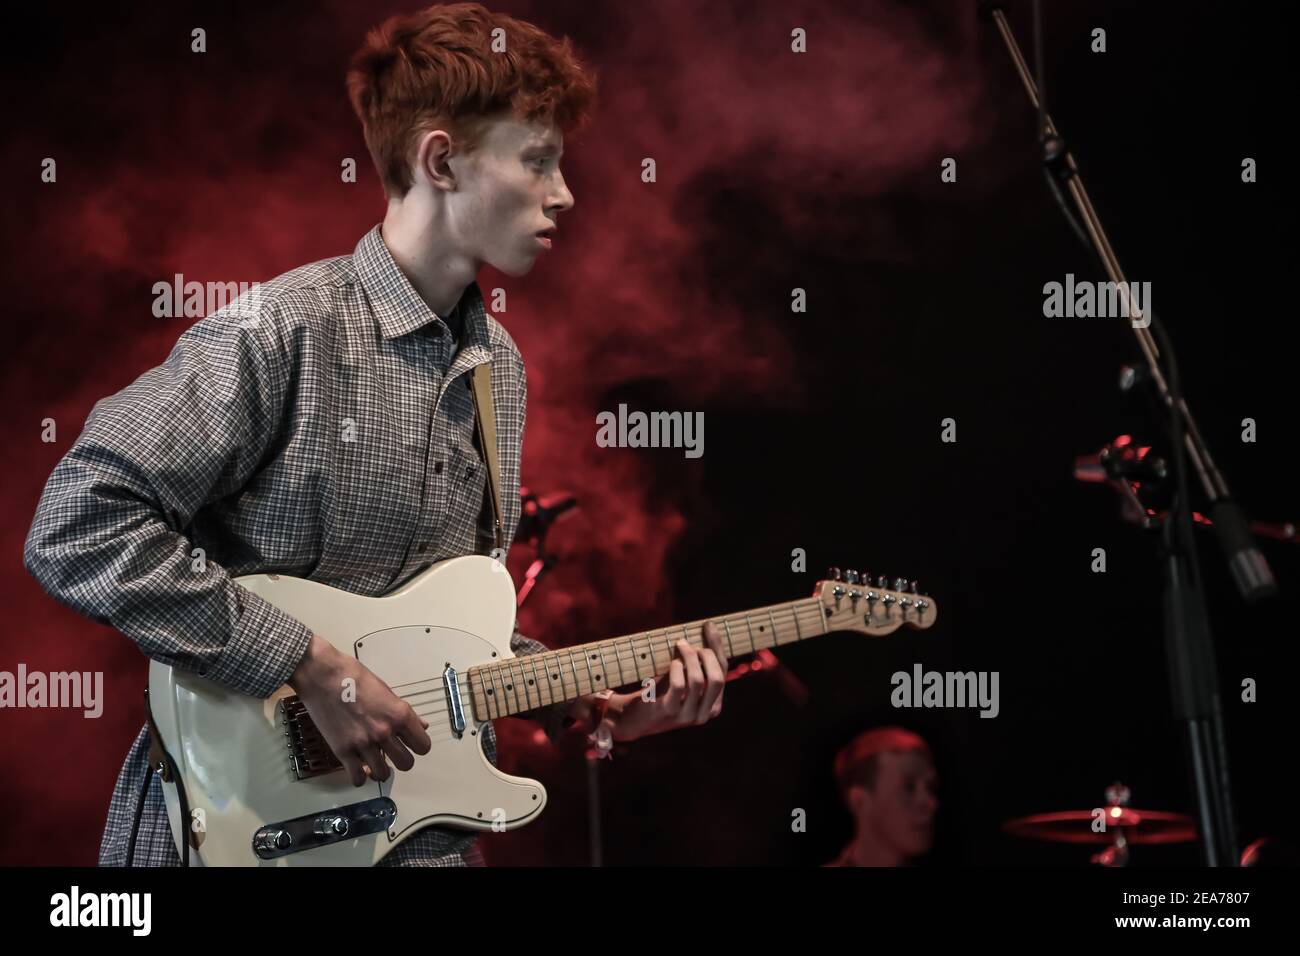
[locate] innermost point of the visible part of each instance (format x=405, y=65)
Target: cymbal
x=1075, y=826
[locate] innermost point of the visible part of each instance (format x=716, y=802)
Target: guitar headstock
x=860, y=602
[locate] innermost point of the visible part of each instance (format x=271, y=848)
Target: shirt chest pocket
x=467, y=507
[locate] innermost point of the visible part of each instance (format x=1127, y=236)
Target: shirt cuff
x=264, y=649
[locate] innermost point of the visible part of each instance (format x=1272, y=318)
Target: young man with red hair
x=331, y=434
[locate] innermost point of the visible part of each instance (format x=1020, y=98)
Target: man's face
x=900, y=809
x=510, y=189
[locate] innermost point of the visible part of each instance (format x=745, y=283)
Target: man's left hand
x=690, y=693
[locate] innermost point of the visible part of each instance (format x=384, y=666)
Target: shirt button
x=437, y=468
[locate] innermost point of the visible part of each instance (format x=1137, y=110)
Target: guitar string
x=787, y=613
x=793, y=612
x=790, y=613
x=788, y=617
x=625, y=655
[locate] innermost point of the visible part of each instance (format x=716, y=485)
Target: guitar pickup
x=455, y=713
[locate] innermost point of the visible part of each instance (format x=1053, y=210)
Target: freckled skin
x=511, y=188
x=467, y=209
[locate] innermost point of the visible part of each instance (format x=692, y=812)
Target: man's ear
x=432, y=160
x=859, y=799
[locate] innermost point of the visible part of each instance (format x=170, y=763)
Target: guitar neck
x=522, y=684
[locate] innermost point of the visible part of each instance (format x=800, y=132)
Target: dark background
x=776, y=171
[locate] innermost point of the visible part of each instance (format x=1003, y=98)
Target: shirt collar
x=398, y=307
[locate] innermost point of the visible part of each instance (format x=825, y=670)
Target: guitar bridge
x=309, y=755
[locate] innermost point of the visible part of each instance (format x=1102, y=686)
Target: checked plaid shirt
x=327, y=432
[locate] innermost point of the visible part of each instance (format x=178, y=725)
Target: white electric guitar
x=259, y=787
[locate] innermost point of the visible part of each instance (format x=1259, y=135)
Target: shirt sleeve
x=109, y=538
x=555, y=719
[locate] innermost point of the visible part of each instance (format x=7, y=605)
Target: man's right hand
x=363, y=730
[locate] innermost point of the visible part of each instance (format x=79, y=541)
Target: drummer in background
x=887, y=780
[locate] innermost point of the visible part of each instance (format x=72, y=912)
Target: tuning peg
x=834, y=574
x=851, y=577
x=882, y=581
x=900, y=584
x=914, y=588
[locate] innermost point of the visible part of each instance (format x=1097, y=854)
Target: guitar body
x=234, y=755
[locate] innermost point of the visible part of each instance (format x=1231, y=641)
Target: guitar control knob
x=272, y=839
x=331, y=826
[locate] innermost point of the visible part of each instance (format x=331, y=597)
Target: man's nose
x=562, y=200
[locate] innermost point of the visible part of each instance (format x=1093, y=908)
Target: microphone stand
x=1189, y=647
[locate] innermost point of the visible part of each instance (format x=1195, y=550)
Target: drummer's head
x=887, y=779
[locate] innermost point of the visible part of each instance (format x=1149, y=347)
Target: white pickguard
x=232, y=752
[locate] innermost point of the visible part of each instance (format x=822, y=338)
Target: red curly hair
x=437, y=69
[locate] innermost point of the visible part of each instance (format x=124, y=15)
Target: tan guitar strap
x=485, y=416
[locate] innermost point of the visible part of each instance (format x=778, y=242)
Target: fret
x=577, y=681
x=731, y=651
x=604, y=665
x=540, y=680
x=513, y=686
x=618, y=659
x=476, y=691
x=557, y=676
x=591, y=675
x=753, y=644
x=499, y=693
x=775, y=642
x=487, y=692
x=650, y=648
x=517, y=665
x=487, y=700
x=636, y=657
x=500, y=700
x=654, y=651
x=530, y=681
x=798, y=633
